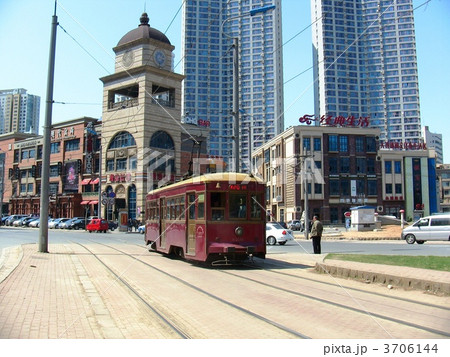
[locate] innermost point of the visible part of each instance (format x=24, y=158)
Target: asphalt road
x=16, y=236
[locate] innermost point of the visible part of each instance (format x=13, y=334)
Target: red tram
x=215, y=218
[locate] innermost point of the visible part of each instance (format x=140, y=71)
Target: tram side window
x=238, y=206
x=182, y=208
x=255, y=206
x=217, y=206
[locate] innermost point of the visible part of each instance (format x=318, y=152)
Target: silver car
x=428, y=228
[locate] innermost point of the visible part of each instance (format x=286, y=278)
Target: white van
x=428, y=228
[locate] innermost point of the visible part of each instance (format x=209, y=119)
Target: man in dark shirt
x=316, y=234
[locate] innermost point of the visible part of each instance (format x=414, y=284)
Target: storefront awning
x=85, y=181
x=84, y=202
x=96, y=181
x=93, y=202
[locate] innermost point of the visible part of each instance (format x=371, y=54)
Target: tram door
x=190, y=239
x=162, y=222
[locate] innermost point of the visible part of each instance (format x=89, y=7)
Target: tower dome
x=143, y=31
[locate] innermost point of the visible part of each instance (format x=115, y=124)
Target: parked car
x=37, y=222
x=97, y=225
x=24, y=221
x=112, y=225
x=34, y=224
x=275, y=233
x=294, y=225
x=283, y=224
x=9, y=221
x=428, y=228
x=56, y=222
x=141, y=229
x=65, y=225
x=76, y=224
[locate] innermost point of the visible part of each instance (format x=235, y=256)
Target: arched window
x=122, y=140
x=162, y=143
x=162, y=140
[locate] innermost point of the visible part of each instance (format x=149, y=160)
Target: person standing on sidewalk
x=316, y=234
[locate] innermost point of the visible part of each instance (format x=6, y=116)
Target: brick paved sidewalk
x=45, y=296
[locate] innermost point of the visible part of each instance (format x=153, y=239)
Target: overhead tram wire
x=79, y=44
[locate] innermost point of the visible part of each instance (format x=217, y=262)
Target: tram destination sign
x=238, y=187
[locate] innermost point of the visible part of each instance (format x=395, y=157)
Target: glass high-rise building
x=366, y=66
x=19, y=111
x=208, y=31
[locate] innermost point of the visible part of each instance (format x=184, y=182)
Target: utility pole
x=304, y=182
x=236, y=102
x=2, y=180
x=43, y=226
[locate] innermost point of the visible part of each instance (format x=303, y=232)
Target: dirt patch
x=392, y=232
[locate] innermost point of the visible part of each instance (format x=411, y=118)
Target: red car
x=97, y=225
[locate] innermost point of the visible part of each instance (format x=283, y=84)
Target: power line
x=79, y=44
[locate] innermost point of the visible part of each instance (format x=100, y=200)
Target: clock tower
x=141, y=135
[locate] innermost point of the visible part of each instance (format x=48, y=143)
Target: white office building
x=365, y=64
x=208, y=31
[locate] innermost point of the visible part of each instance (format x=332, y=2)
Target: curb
x=9, y=260
x=376, y=273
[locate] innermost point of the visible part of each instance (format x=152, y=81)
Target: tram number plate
x=238, y=187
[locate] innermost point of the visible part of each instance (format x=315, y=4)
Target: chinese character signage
x=340, y=120
x=402, y=145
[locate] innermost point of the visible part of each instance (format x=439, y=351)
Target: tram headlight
x=239, y=231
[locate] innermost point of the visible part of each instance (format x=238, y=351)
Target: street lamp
x=235, y=47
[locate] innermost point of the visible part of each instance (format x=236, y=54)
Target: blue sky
x=98, y=26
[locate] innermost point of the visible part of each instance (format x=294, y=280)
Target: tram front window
x=255, y=206
x=238, y=206
x=217, y=206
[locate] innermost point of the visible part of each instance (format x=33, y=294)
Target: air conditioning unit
x=379, y=208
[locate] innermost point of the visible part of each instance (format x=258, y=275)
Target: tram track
x=160, y=313
x=348, y=288
x=347, y=307
x=393, y=300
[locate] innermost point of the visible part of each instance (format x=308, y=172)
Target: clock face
x=128, y=58
x=159, y=57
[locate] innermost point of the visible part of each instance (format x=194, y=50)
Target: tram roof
x=231, y=177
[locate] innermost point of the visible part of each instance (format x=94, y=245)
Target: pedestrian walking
x=316, y=234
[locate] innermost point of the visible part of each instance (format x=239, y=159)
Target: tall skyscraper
x=208, y=31
x=433, y=140
x=365, y=64
x=19, y=111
